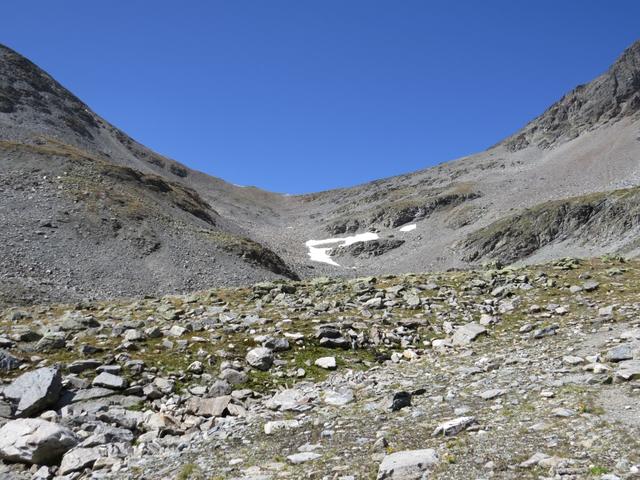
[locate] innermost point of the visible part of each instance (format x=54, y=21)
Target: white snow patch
x=408, y=228
x=321, y=254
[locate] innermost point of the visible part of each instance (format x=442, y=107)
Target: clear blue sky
x=300, y=95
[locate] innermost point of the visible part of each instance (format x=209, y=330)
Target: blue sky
x=298, y=96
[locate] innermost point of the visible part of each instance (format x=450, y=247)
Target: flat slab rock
x=407, y=465
x=208, y=407
x=628, y=370
x=78, y=459
x=109, y=380
x=303, y=457
x=467, y=333
x=453, y=427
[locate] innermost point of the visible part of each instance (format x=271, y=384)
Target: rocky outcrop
x=412, y=210
x=395, y=213
x=596, y=219
x=371, y=248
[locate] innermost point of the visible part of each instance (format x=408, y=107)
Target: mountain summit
x=610, y=97
x=90, y=212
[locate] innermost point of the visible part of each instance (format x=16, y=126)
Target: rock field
x=505, y=373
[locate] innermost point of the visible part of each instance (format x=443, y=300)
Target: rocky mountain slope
x=89, y=212
x=517, y=373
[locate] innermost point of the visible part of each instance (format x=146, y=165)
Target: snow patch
x=318, y=253
x=408, y=228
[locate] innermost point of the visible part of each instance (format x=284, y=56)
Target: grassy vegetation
x=190, y=471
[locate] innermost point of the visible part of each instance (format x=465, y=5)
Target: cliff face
x=597, y=219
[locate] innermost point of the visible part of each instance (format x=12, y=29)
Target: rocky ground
x=525, y=372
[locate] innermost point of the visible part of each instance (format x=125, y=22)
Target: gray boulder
x=35, y=441
x=233, y=377
x=220, y=388
x=33, y=391
x=628, y=370
x=277, y=344
x=208, y=407
x=107, y=434
x=79, y=459
x=620, y=353
x=51, y=341
x=260, y=358
x=109, y=380
x=80, y=366
x=466, y=334
x=75, y=321
x=407, y=465
x=8, y=361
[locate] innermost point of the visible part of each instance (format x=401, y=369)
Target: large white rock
x=33, y=440
x=407, y=465
x=260, y=358
x=278, y=425
x=338, y=398
x=328, y=363
x=289, y=399
x=33, y=391
x=303, y=457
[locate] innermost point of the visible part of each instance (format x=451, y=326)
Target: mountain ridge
x=585, y=143
x=612, y=95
